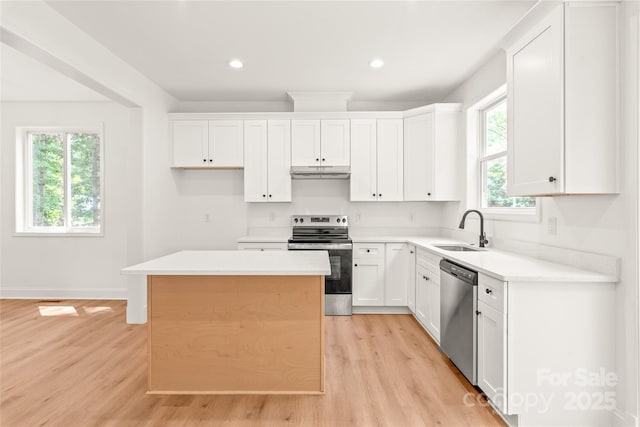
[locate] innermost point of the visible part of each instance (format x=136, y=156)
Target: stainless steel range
x=330, y=233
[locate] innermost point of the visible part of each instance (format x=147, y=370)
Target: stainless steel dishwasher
x=458, y=321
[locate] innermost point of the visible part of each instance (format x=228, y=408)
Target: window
x=59, y=181
x=492, y=155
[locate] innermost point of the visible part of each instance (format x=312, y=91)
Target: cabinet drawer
x=368, y=250
x=262, y=246
x=492, y=292
x=429, y=260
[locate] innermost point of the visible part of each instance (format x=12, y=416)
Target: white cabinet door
x=363, y=160
x=226, y=143
x=390, y=159
x=255, y=161
x=335, y=142
x=535, y=110
x=433, y=304
x=418, y=157
x=279, y=161
x=305, y=142
x=396, y=274
x=421, y=295
x=411, y=292
x=190, y=142
x=492, y=355
x=368, y=282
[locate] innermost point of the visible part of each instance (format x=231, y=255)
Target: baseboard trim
x=86, y=293
x=380, y=310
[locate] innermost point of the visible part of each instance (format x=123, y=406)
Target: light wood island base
x=248, y=334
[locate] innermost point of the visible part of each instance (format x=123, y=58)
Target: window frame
x=24, y=183
x=477, y=158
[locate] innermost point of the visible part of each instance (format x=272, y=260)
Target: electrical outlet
x=552, y=225
x=207, y=217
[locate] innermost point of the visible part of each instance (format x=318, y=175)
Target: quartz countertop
x=238, y=263
x=500, y=264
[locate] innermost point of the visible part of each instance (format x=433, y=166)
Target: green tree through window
x=493, y=160
x=65, y=180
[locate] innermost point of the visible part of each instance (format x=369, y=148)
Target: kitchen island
x=235, y=322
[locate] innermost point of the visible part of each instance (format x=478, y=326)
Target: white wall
x=85, y=267
x=332, y=197
x=599, y=224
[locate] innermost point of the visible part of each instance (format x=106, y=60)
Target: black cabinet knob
x=211, y=160
x=374, y=194
x=323, y=159
x=488, y=291
x=264, y=195
x=204, y=160
x=380, y=195
x=355, y=265
x=552, y=179
x=269, y=195
x=317, y=160
x=478, y=313
x=428, y=194
x=368, y=250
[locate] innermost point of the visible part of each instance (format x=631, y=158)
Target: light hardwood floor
x=77, y=363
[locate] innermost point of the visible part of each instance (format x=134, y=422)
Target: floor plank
x=77, y=363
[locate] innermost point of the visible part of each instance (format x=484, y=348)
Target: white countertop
x=237, y=263
x=502, y=265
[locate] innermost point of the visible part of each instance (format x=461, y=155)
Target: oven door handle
x=320, y=246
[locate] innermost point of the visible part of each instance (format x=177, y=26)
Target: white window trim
x=24, y=197
x=475, y=127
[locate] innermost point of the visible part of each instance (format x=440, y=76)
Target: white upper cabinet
x=562, y=89
x=390, y=159
x=255, y=161
x=305, y=142
x=320, y=142
x=364, y=160
x=190, y=143
x=267, y=161
x=335, y=142
x=431, y=160
x=376, y=159
x=279, y=160
x=212, y=143
x=226, y=143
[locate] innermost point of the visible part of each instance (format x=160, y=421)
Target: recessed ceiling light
x=376, y=63
x=235, y=63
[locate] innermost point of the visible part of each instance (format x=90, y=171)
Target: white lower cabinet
x=381, y=274
x=433, y=304
x=427, y=284
x=421, y=295
x=492, y=369
x=368, y=282
x=396, y=274
x=411, y=292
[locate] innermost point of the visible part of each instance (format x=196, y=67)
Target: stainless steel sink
x=459, y=248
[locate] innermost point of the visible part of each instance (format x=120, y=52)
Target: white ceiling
x=25, y=79
x=429, y=47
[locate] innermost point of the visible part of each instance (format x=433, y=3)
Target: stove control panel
x=319, y=221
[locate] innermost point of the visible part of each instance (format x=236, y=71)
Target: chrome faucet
x=483, y=237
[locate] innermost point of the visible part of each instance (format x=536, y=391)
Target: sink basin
x=459, y=248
